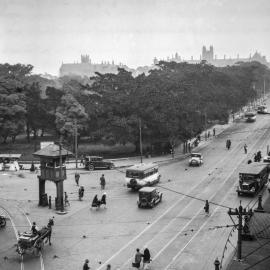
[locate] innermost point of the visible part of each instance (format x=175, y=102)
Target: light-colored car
x=196, y=159
x=266, y=159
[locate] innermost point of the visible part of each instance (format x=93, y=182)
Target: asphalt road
x=177, y=232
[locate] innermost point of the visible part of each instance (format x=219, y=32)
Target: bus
x=250, y=116
x=252, y=178
x=141, y=175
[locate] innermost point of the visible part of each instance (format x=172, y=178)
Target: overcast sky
x=46, y=32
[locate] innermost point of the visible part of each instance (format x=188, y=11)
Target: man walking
x=206, y=207
x=77, y=178
x=214, y=132
x=245, y=148
x=102, y=182
x=86, y=266
x=138, y=259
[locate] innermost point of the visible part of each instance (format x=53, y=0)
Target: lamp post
x=140, y=129
x=76, y=144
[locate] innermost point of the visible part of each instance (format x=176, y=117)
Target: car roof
x=142, y=166
x=147, y=189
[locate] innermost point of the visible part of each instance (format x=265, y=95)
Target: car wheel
x=110, y=167
x=91, y=167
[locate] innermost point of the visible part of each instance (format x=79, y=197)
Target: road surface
x=177, y=232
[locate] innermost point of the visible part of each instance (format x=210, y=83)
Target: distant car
x=149, y=197
x=262, y=109
x=266, y=159
x=196, y=159
x=95, y=162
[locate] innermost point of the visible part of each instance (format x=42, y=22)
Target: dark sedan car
x=95, y=162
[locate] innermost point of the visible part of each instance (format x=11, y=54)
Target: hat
x=87, y=261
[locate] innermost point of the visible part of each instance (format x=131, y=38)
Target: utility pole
x=76, y=144
x=238, y=212
x=140, y=128
x=263, y=89
x=243, y=232
x=60, y=198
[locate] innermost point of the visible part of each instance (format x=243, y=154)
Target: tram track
x=263, y=139
x=229, y=162
x=16, y=232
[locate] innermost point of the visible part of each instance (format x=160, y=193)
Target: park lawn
x=21, y=146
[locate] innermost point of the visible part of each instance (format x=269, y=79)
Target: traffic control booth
x=52, y=168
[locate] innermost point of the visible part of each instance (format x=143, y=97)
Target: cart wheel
x=91, y=167
x=3, y=223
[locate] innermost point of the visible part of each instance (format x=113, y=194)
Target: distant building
x=209, y=56
x=87, y=68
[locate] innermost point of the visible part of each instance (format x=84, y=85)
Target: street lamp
x=140, y=129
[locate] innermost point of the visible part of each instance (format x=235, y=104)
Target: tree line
x=173, y=103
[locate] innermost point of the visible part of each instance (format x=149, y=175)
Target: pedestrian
x=189, y=147
x=138, y=259
x=86, y=266
x=108, y=267
x=259, y=156
x=208, y=135
x=205, y=135
x=102, y=182
x=214, y=132
x=146, y=258
x=66, y=199
x=103, y=199
x=77, y=178
x=245, y=148
x=206, y=207
x=34, y=228
x=81, y=192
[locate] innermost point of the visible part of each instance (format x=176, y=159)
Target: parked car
x=95, y=162
x=196, y=159
x=149, y=197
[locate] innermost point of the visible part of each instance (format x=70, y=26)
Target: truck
x=252, y=178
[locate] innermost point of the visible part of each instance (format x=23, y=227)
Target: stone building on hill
x=87, y=68
x=211, y=58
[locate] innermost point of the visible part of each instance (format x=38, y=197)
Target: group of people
x=97, y=203
x=144, y=257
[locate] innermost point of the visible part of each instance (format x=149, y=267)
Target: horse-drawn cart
x=34, y=243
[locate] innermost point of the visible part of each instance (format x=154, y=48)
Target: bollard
x=217, y=264
x=259, y=208
x=50, y=202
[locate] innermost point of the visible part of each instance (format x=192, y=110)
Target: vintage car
x=95, y=162
x=10, y=162
x=262, y=109
x=149, y=197
x=196, y=159
x=266, y=159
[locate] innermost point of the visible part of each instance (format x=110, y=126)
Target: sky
x=45, y=33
